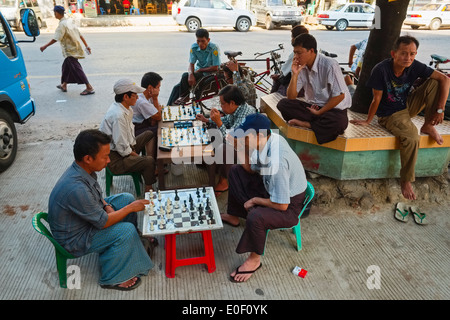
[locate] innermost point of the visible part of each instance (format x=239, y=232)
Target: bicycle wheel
x=206, y=91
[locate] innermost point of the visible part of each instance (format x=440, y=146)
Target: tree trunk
x=389, y=16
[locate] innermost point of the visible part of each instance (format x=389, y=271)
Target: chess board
x=177, y=113
x=192, y=136
x=180, y=211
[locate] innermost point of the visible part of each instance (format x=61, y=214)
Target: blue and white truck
x=16, y=104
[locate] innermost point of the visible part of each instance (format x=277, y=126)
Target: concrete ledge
x=355, y=138
x=361, y=152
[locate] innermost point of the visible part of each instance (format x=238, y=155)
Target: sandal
x=243, y=272
x=116, y=287
x=87, y=92
x=419, y=217
x=401, y=212
x=61, y=88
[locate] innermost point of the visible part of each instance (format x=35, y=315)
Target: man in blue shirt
x=83, y=222
x=203, y=59
x=268, y=189
x=395, y=103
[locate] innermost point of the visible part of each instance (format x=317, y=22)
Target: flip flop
x=61, y=88
x=87, y=92
x=116, y=287
x=243, y=272
x=401, y=212
x=419, y=217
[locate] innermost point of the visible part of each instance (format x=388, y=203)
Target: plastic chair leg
x=61, y=266
x=298, y=235
x=108, y=182
x=137, y=184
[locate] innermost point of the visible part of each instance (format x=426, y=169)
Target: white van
x=11, y=11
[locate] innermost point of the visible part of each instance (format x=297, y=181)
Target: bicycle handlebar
x=280, y=47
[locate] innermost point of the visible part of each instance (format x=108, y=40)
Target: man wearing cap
x=70, y=39
x=267, y=189
x=125, y=147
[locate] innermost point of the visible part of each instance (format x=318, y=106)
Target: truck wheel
x=8, y=141
x=269, y=23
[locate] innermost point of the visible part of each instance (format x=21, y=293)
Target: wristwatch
x=440, y=110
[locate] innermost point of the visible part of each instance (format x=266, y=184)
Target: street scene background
x=341, y=244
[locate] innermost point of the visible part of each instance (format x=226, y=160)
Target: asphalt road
x=117, y=54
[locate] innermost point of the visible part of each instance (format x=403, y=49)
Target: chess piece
x=159, y=195
x=152, y=227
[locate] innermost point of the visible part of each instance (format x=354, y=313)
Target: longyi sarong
x=121, y=253
x=72, y=72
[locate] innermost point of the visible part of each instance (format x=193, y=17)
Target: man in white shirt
x=70, y=39
x=326, y=97
x=125, y=147
x=147, y=110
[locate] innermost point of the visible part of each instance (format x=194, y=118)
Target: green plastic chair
x=135, y=175
x=297, y=229
x=61, y=254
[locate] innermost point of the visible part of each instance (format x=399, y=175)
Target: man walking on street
x=70, y=39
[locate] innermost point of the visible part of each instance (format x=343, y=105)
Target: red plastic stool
x=171, y=254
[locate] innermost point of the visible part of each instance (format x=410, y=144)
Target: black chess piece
x=177, y=198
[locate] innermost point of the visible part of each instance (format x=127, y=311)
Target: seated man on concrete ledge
x=395, y=105
x=324, y=106
x=83, y=222
x=267, y=189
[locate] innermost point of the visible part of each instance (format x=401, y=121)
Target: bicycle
x=437, y=60
x=345, y=72
x=205, y=91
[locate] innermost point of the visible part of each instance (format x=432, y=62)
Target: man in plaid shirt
x=236, y=110
x=233, y=75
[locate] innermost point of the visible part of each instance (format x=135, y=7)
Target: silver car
x=11, y=11
x=432, y=16
x=341, y=16
x=195, y=14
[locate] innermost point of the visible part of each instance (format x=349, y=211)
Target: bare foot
x=296, y=122
x=233, y=220
x=432, y=132
x=222, y=185
x=128, y=283
x=407, y=190
x=251, y=264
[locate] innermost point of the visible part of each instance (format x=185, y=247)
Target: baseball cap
x=254, y=122
x=127, y=85
x=59, y=9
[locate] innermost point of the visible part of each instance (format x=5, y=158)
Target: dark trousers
x=143, y=164
x=181, y=89
x=327, y=127
x=244, y=186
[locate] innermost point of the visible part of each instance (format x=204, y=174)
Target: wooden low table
x=186, y=154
